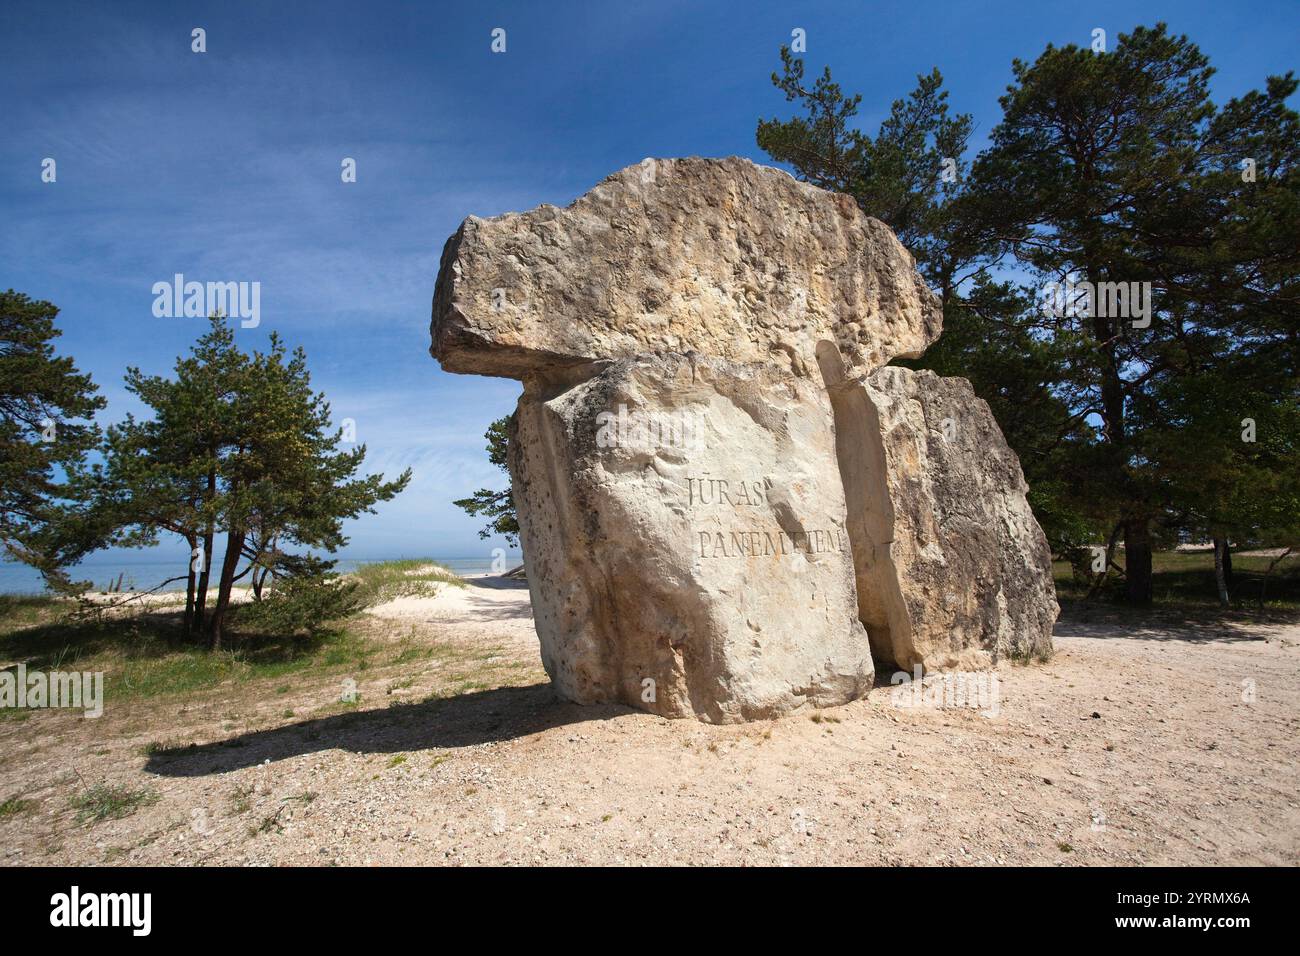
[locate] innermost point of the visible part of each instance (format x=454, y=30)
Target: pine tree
x=237, y=445
x=45, y=411
x=1104, y=167
x=1118, y=167
x=497, y=506
x=913, y=175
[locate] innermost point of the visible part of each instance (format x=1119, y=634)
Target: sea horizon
x=144, y=575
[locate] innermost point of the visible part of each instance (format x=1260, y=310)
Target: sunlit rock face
x=684, y=529
x=729, y=509
x=715, y=256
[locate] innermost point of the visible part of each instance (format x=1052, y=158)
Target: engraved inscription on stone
x=722, y=486
x=748, y=542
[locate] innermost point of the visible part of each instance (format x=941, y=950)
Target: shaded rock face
x=683, y=525
x=952, y=569
x=728, y=508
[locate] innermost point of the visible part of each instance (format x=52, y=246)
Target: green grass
x=105, y=802
x=241, y=799
x=269, y=822
x=1024, y=657
x=24, y=610
x=1184, y=580
x=15, y=805
x=155, y=747
x=149, y=656
x=409, y=577
x=189, y=670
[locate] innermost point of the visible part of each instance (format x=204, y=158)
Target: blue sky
x=225, y=165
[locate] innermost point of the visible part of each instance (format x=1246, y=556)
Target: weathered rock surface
x=953, y=570
x=717, y=484
x=683, y=523
x=715, y=256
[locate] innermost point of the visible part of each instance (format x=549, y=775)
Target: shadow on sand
x=1188, y=625
x=498, y=583
x=503, y=713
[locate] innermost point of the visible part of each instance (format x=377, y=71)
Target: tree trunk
x=205, y=581
x=189, y=587
x=1100, y=579
x=260, y=573
x=1137, y=560
x=1137, y=530
x=234, y=546
x=1263, y=584
x=201, y=599
x=1221, y=561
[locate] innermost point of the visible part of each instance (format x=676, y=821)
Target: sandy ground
x=492, y=609
x=1170, y=743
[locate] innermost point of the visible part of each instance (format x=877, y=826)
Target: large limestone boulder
x=953, y=570
x=684, y=528
x=728, y=507
x=716, y=256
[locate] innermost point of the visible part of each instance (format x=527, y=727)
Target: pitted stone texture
x=953, y=569
x=719, y=556
x=684, y=526
x=716, y=256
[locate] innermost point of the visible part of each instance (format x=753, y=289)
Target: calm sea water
x=138, y=575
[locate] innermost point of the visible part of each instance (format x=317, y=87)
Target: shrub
x=302, y=602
